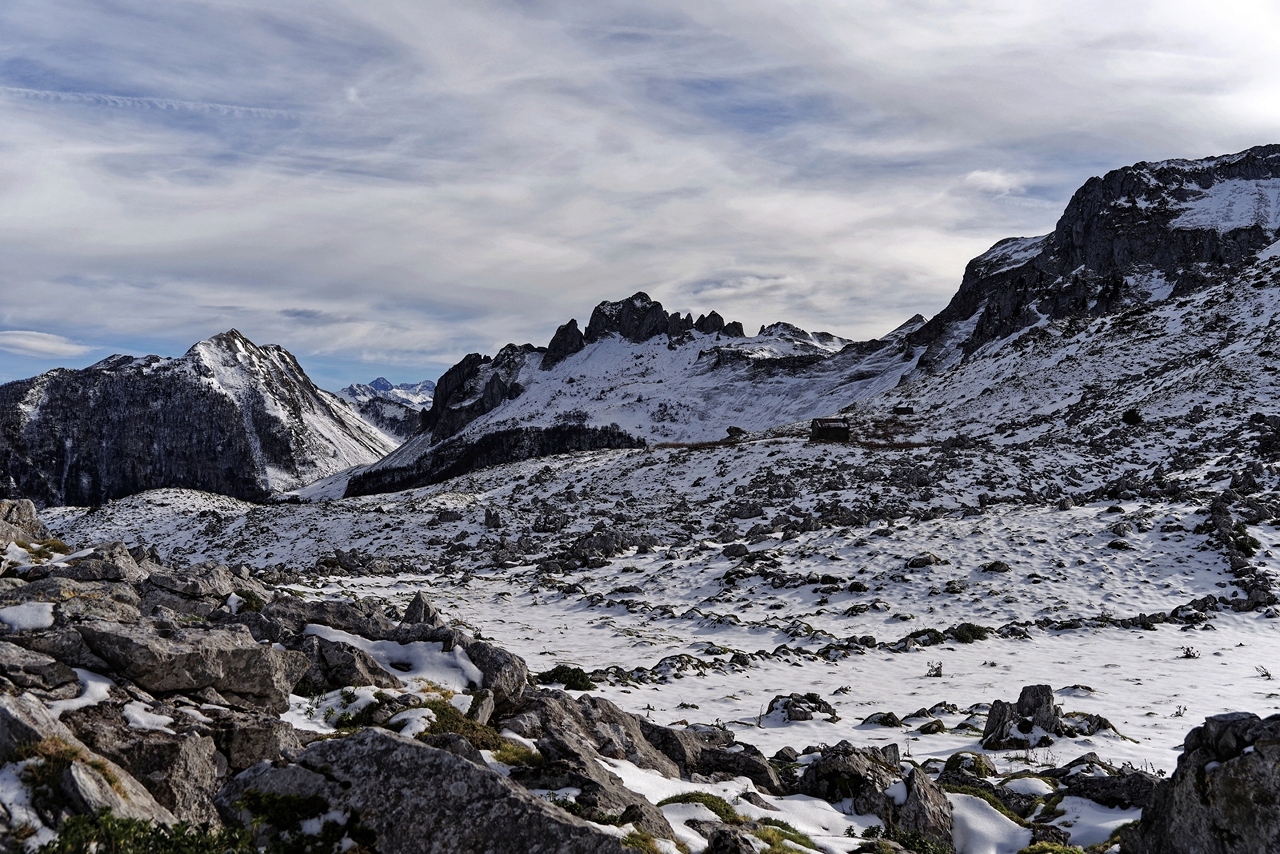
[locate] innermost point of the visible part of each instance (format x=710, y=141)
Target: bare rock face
x=180, y=769
x=404, y=796
x=926, y=810
x=1032, y=722
x=845, y=771
x=237, y=419
x=1224, y=796
x=227, y=659
x=337, y=665
x=1146, y=222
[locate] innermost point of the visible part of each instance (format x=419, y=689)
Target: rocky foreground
x=205, y=695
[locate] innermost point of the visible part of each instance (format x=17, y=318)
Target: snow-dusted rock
x=409, y=798
x=1223, y=797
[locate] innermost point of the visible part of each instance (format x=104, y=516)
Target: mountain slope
x=227, y=417
x=637, y=375
x=1143, y=232
x=393, y=409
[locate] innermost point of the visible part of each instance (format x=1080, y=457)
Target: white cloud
x=27, y=343
x=405, y=181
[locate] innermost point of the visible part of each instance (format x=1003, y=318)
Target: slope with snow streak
x=228, y=416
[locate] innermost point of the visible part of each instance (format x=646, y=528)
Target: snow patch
x=29, y=616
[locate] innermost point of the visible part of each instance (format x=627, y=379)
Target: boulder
x=799, y=707
x=295, y=614
x=926, y=810
x=1032, y=722
x=182, y=770
x=421, y=612
x=74, y=601
x=1224, y=796
x=337, y=665
x=227, y=659
x=404, y=796
x=27, y=669
x=844, y=771
x=107, y=562
x=89, y=782
x=19, y=521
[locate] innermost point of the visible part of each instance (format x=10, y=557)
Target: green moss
x=252, y=601
x=917, y=842
x=717, y=805
x=1049, y=848
x=969, y=632
x=107, y=834
x=572, y=678
x=640, y=841
x=284, y=815
x=513, y=753
x=583, y=811
x=448, y=719
x=776, y=834
x=54, y=757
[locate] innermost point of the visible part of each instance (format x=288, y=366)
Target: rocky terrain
x=611, y=595
x=228, y=417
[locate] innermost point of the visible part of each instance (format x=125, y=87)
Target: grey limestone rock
x=415, y=799
x=27, y=669
x=19, y=521
x=337, y=665
x=1224, y=796
x=226, y=659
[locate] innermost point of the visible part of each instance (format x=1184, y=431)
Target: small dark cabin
x=829, y=430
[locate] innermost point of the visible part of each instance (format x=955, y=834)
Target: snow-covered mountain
x=636, y=376
x=228, y=417
x=417, y=395
x=1139, y=236
x=393, y=409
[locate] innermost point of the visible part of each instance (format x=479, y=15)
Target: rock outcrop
x=453, y=805
x=1224, y=796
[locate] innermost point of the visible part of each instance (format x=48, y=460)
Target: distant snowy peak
x=1147, y=231
x=228, y=417
x=417, y=395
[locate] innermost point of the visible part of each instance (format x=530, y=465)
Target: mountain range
x=1129, y=251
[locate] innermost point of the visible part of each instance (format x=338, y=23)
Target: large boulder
x=859, y=773
x=27, y=669
x=926, y=810
x=74, y=601
x=19, y=521
x=181, y=769
x=1032, y=722
x=87, y=781
x=401, y=795
x=107, y=562
x=1224, y=796
x=334, y=665
x=227, y=659
x=357, y=618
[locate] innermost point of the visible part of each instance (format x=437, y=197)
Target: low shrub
x=572, y=678
x=108, y=834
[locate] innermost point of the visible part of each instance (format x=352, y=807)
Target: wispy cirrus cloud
x=395, y=184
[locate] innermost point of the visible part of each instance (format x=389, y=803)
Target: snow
x=1009, y=253
x=1029, y=786
x=1090, y=823
x=1272, y=251
x=15, y=798
x=28, y=616
x=139, y=716
x=422, y=660
x=1230, y=205
x=94, y=690
x=980, y=828
x=416, y=721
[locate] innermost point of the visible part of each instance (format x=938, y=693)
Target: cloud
x=399, y=183
x=27, y=343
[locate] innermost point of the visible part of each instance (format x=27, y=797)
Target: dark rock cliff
x=228, y=417
x=1177, y=222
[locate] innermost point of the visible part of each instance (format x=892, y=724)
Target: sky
x=383, y=187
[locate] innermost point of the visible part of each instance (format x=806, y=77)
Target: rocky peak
x=640, y=318
x=1141, y=232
